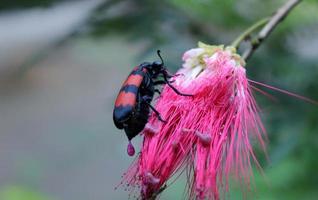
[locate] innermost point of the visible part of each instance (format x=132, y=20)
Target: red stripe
x=128, y=98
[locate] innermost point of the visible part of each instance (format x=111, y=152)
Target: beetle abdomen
x=137, y=121
x=126, y=100
x=122, y=114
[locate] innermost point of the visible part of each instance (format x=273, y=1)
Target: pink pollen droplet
x=150, y=179
x=175, y=145
x=150, y=130
x=130, y=149
x=204, y=138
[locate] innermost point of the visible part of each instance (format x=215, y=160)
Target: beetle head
x=158, y=66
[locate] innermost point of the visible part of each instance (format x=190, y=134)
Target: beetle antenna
x=158, y=52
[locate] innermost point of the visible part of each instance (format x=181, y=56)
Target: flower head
x=208, y=134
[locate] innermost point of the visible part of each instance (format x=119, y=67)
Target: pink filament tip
x=150, y=179
x=175, y=145
x=204, y=138
x=150, y=129
x=130, y=149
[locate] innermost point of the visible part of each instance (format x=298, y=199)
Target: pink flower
x=209, y=134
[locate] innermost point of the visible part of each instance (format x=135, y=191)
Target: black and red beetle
x=133, y=103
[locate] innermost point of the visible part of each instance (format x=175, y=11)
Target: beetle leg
x=157, y=113
x=158, y=91
x=170, y=75
x=159, y=82
x=178, y=75
x=173, y=88
x=167, y=74
x=146, y=99
x=153, y=109
x=162, y=82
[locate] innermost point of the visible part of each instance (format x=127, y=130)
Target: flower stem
x=249, y=31
x=272, y=23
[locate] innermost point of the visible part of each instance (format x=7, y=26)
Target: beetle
x=133, y=103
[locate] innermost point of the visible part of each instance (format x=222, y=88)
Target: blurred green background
x=62, y=63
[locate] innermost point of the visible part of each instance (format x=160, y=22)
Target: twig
x=278, y=16
x=247, y=33
x=156, y=194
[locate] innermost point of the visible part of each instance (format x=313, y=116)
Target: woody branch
x=273, y=21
